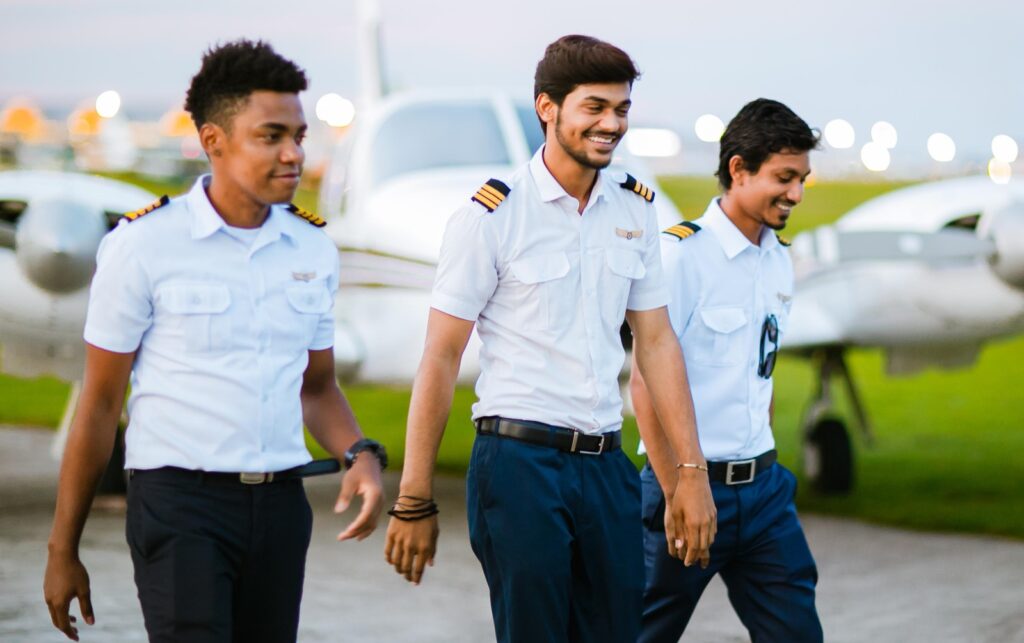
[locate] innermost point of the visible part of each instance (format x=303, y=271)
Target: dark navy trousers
x=760, y=551
x=560, y=541
x=216, y=562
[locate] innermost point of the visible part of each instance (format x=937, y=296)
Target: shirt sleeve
x=649, y=292
x=683, y=282
x=324, y=337
x=467, y=272
x=120, y=301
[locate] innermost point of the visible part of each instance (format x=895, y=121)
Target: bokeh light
x=941, y=147
x=839, y=134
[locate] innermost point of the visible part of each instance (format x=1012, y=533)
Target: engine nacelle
x=1005, y=228
x=56, y=243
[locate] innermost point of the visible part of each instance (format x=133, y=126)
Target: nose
x=796, y=193
x=611, y=121
x=292, y=153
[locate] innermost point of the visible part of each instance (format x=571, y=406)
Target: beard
x=576, y=154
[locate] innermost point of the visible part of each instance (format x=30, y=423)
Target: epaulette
x=636, y=186
x=306, y=214
x=682, y=230
x=159, y=203
x=783, y=240
x=491, y=194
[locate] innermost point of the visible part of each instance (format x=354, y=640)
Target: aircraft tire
x=828, y=457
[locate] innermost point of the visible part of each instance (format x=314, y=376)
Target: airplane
x=927, y=273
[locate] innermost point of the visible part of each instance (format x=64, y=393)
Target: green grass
x=949, y=448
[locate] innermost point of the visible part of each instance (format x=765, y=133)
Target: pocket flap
x=539, y=268
x=626, y=263
x=196, y=298
x=308, y=298
x=723, y=320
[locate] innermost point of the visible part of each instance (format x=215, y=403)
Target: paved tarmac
x=877, y=584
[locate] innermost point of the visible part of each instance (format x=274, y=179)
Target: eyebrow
x=279, y=127
x=604, y=101
x=791, y=170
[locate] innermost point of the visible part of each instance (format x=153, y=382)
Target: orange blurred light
x=84, y=121
x=22, y=118
x=177, y=124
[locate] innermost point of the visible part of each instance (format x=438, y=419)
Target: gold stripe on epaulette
x=312, y=218
x=682, y=230
x=159, y=203
x=783, y=240
x=491, y=194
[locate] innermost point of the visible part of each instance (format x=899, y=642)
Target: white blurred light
x=875, y=156
x=999, y=171
x=884, y=134
x=839, y=134
x=941, y=147
x=1004, y=148
x=335, y=110
x=108, y=104
x=651, y=142
x=709, y=128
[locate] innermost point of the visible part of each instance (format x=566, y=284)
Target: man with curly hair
x=216, y=307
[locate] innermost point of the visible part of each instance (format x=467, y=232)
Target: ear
x=737, y=170
x=213, y=138
x=546, y=108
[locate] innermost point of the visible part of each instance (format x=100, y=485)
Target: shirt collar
x=551, y=190
x=206, y=221
x=733, y=241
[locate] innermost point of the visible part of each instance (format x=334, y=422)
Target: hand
x=363, y=479
x=411, y=545
x=66, y=579
x=693, y=523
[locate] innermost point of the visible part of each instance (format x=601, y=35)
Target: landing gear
x=828, y=461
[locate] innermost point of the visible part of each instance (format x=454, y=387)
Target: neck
x=577, y=180
x=746, y=224
x=234, y=206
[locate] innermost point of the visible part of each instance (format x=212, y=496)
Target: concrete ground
x=877, y=584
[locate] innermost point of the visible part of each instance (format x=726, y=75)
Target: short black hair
x=576, y=60
x=762, y=128
x=233, y=71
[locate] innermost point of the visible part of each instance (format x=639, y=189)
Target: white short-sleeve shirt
x=222, y=326
x=723, y=288
x=548, y=289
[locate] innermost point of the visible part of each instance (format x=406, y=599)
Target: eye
x=300, y=138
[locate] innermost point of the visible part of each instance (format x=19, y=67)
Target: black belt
x=313, y=468
x=741, y=471
x=556, y=437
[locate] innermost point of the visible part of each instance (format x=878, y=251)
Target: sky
x=936, y=66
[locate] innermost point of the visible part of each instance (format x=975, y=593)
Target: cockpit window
x=966, y=222
x=531, y=126
x=429, y=136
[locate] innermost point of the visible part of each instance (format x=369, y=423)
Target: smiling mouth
x=785, y=208
x=602, y=139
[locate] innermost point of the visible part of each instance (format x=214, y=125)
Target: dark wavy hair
x=575, y=60
x=233, y=71
x=762, y=128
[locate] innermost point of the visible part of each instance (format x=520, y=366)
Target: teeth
x=601, y=139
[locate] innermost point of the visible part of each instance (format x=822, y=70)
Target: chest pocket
x=543, y=296
x=200, y=309
x=719, y=336
x=623, y=267
x=307, y=302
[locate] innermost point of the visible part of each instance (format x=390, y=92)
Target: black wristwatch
x=366, y=444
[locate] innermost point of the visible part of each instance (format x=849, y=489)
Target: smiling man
x=217, y=307
x=547, y=266
x=731, y=282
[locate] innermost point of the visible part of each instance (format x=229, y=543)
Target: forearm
x=661, y=365
x=330, y=420
x=659, y=452
x=90, y=443
x=428, y=414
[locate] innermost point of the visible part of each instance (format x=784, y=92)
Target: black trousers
x=216, y=561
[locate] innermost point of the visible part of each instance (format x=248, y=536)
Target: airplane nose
x=56, y=243
x=1005, y=228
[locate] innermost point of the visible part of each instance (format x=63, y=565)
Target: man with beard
x=217, y=306
x=731, y=283
x=547, y=266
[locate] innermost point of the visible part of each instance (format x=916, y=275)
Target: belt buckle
x=730, y=471
x=600, y=445
x=255, y=478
